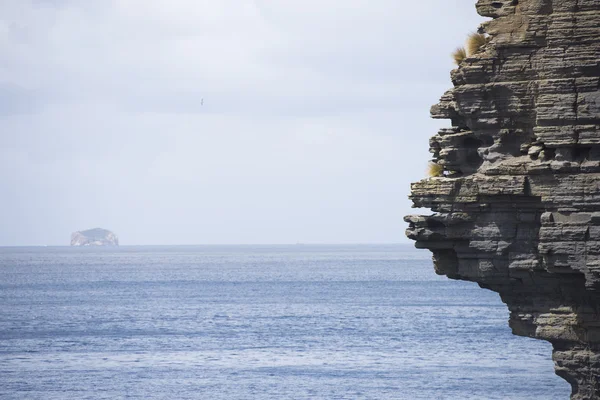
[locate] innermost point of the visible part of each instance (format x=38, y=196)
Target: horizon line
x=218, y=244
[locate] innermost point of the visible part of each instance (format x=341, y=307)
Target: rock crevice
x=518, y=207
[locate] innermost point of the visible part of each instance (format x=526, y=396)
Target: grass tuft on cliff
x=474, y=43
x=434, y=169
x=459, y=55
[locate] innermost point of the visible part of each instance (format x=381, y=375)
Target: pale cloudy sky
x=315, y=117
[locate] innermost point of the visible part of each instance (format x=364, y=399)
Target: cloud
x=314, y=117
x=135, y=52
x=16, y=100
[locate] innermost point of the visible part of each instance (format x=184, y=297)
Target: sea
x=256, y=322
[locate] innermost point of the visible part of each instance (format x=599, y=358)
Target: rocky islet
x=94, y=237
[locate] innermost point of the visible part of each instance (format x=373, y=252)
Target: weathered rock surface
x=94, y=237
x=518, y=210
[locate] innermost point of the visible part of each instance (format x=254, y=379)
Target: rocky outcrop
x=94, y=237
x=517, y=209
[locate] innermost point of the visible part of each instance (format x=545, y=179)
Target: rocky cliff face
x=94, y=237
x=518, y=207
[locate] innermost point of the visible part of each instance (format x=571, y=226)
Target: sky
x=219, y=122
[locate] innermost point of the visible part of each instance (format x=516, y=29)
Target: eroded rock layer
x=517, y=209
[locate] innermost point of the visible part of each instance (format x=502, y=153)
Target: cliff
x=517, y=208
x=94, y=237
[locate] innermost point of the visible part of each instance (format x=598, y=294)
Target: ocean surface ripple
x=256, y=322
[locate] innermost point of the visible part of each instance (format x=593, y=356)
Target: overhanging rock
x=517, y=209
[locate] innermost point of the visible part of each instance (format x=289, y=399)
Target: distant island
x=94, y=237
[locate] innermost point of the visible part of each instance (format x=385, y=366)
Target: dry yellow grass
x=435, y=169
x=474, y=43
x=459, y=55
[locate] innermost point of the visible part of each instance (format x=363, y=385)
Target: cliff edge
x=517, y=199
x=94, y=237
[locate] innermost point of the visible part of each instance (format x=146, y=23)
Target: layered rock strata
x=517, y=208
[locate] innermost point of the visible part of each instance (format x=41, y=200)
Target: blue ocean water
x=256, y=322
